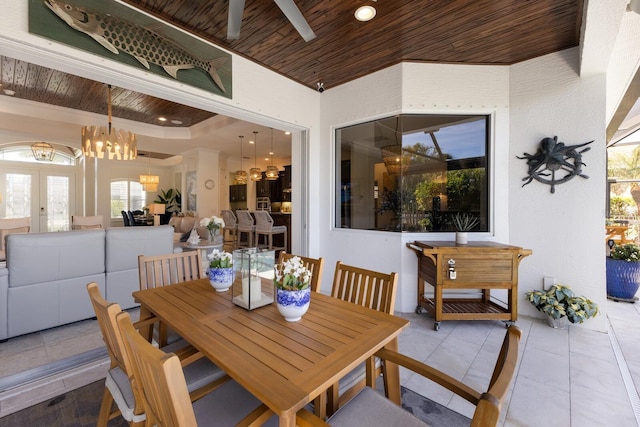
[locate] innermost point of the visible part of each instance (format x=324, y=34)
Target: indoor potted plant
x=463, y=223
x=213, y=224
x=623, y=272
x=293, y=293
x=560, y=303
x=220, y=270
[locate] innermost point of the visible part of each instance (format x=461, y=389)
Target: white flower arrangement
x=292, y=275
x=213, y=223
x=220, y=259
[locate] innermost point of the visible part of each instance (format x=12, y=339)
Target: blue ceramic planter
x=220, y=278
x=293, y=304
x=623, y=279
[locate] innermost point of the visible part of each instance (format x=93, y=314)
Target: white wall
x=565, y=229
x=411, y=88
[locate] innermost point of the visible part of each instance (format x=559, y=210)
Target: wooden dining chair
x=12, y=226
x=370, y=289
x=203, y=376
x=314, y=265
x=371, y=408
x=168, y=269
x=86, y=222
x=164, y=390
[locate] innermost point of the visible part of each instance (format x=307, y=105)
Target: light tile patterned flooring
x=565, y=377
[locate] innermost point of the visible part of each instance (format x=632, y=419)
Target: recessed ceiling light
x=9, y=92
x=162, y=119
x=365, y=13
x=287, y=133
x=176, y=122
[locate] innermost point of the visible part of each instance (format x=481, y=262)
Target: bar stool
x=265, y=227
x=230, y=230
x=246, y=226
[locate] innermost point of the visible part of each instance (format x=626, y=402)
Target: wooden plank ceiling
x=450, y=31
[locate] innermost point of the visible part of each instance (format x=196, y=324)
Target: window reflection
x=412, y=173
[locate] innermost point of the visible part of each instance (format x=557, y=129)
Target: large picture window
x=412, y=173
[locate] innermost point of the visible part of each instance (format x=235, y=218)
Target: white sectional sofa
x=44, y=282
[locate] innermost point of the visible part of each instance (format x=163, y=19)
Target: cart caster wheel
x=418, y=310
x=508, y=324
x=436, y=326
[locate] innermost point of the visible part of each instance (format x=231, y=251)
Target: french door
x=47, y=197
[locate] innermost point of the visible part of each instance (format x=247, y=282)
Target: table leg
x=288, y=420
x=392, y=375
x=146, y=330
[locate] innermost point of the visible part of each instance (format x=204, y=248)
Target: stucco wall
x=565, y=229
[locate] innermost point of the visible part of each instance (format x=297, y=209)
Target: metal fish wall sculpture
x=117, y=34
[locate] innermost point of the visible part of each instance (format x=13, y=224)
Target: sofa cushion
x=124, y=244
x=46, y=257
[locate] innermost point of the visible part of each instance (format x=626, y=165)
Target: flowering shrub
x=559, y=301
x=628, y=252
x=292, y=275
x=220, y=259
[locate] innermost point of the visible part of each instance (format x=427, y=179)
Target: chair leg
x=105, y=408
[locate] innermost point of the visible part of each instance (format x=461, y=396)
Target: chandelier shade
x=43, y=151
x=272, y=171
x=105, y=142
x=393, y=159
x=149, y=182
x=241, y=175
x=255, y=173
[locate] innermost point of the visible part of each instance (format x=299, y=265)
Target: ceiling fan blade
x=236, y=10
x=294, y=16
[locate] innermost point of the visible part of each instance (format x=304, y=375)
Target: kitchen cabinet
x=285, y=182
x=475, y=268
x=238, y=193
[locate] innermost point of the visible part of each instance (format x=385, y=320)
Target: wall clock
x=209, y=184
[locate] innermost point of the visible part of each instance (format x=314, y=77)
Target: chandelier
x=241, y=175
x=149, y=182
x=106, y=142
x=43, y=151
x=272, y=171
x=255, y=173
x=394, y=160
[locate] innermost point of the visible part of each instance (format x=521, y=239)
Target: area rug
x=80, y=407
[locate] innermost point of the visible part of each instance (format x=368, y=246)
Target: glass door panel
x=17, y=199
x=55, y=209
x=47, y=198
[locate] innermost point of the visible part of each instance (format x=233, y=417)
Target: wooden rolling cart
x=475, y=266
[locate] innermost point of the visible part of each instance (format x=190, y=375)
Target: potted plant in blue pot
x=623, y=272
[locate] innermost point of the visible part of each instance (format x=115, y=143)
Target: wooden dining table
x=284, y=364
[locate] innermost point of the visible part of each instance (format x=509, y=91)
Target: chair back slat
x=367, y=288
x=314, y=265
x=163, y=270
x=164, y=389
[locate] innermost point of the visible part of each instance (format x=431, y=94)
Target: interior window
x=412, y=173
x=126, y=196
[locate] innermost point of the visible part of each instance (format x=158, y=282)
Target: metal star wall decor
x=553, y=156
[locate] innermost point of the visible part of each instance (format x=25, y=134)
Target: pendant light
x=149, y=182
x=272, y=171
x=107, y=142
x=241, y=175
x=255, y=173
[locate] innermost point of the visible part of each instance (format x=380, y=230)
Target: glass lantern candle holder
x=253, y=284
